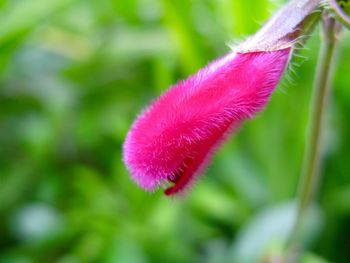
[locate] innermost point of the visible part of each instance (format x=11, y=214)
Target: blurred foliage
x=73, y=76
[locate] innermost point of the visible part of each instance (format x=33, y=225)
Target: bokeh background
x=73, y=76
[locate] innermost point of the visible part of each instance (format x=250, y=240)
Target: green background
x=73, y=76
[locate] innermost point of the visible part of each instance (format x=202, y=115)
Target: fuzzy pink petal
x=174, y=138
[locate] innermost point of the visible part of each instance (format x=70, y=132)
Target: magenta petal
x=174, y=138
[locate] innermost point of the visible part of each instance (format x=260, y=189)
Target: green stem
x=342, y=10
x=311, y=172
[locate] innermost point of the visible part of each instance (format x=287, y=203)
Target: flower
x=174, y=138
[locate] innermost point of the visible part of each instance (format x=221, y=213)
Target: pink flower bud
x=173, y=140
x=175, y=137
